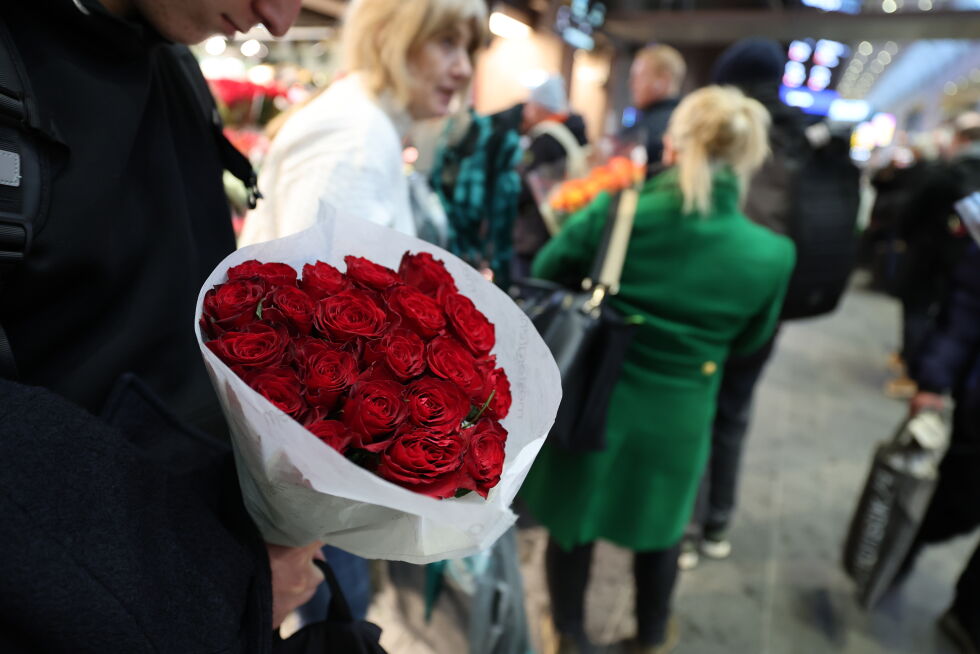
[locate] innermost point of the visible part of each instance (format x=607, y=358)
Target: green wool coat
x=705, y=286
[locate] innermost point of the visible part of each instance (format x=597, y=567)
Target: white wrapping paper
x=298, y=490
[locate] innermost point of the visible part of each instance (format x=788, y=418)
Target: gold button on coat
x=709, y=368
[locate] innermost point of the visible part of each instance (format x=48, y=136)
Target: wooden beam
x=726, y=26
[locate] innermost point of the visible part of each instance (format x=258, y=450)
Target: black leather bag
x=338, y=633
x=588, y=338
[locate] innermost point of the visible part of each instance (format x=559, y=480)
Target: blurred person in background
x=935, y=240
x=950, y=363
x=704, y=282
x=555, y=149
x=806, y=187
x=656, y=76
x=406, y=61
x=124, y=528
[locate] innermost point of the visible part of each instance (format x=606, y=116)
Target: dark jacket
x=950, y=361
x=649, y=129
x=138, y=216
x=123, y=537
x=126, y=534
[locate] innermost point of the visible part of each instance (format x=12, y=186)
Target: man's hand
x=294, y=577
x=925, y=400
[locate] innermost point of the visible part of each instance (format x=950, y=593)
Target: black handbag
x=339, y=633
x=587, y=337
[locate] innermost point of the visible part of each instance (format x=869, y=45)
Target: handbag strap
x=339, y=609
x=607, y=267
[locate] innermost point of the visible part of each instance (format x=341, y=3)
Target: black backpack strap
x=233, y=161
x=25, y=173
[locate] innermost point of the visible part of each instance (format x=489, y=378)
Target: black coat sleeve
x=106, y=549
x=953, y=348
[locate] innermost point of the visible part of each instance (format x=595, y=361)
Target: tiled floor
x=818, y=414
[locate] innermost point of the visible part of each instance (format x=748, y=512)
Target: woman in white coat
x=405, y=61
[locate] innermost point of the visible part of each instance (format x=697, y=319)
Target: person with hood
x=801, y=182
x=556, y=141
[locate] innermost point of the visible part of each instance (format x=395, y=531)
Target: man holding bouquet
x=124, y=528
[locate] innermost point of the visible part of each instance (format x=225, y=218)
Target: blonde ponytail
x=713, y=127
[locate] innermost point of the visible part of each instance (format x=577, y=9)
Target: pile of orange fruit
x=617, y=174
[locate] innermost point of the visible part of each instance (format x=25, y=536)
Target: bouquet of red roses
x=391, y=369
x=368, y=395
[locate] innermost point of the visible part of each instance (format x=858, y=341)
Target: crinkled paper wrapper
x=298, y=490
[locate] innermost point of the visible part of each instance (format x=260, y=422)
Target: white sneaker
x=688, y=558
x=720, y=548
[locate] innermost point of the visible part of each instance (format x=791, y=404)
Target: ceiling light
x=925, y=5
x=865, y=48
x=891, y=47
x=889, y=6
x=215, y=45
x=251, y=48
x=884, y=57
x=507, y=27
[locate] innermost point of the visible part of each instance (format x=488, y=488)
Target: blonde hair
x=713, y=127
x=380, y=37
x=665, y=59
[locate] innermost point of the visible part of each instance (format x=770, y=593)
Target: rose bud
x=499, y=384
x=274, y=274
x=426, y=273
x=231, y=306
x=281, y=386
x=417, y=311
x=332, y=432
x=469, y=324
x=327, y=372
x=449, y=359
x=484, y=459
x=369, y=274
x=437, y=404
x=257, y=346
x=348, y=315
x=287, y=305
x=424, y=461
x=373, y=411
x=321, y=279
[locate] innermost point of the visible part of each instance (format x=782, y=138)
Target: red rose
x=437, y=404
x=257, y=346
x=348, y=315
x=275, y=274
x=426, y=273
x=404, y=353
x=469, y=324
x=484, y=460
x=327, y=372
x=289, y=306
x=232, y=305
x=424, y=461
x=280, y=386
x=499, y=384
x=321, y=279
x=417, y=310
x=333, y=433
x=448, y=359
x=373, y=411
x=369, y=274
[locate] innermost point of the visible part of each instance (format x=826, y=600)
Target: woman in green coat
x=706, y=282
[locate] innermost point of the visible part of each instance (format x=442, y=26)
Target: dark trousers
x=716, y=499
x=354, y=578
x=654, y=573
x=955, y=509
